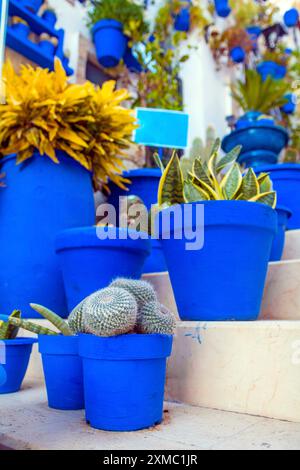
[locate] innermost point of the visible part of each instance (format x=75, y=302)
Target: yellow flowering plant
x=44, y=113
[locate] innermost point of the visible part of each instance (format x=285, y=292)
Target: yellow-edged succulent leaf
x=171, y=184
x=208, y=188
x=269, y=198
x=250, y=186
x=232, y=182
x=200, y=172
x=231, y=157
x=265, y=183
x=193, y=193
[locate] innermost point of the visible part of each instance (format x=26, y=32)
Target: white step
x=27, y=423
x=292, y=245
x=250, y=368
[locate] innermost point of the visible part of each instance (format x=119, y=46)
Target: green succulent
x=156, y=319
x=199, y=150
x=219, y=179
x=142, y=291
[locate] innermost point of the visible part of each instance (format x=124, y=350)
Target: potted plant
x=62, y=137
x=48, y=44
x=32, y=5
x=261, y=139
x=223, y=8
x=291, y=18
x=50, y=16
x=274, y=64
x=14, y=355
x=113, y=24
x=182, y=20
x=20, y=27
x=223, y=251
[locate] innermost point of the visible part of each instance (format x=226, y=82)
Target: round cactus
x=142, y=291
x=156, y=319
x=75, y=320
x=110, y=312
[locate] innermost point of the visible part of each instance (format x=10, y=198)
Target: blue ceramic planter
x=155, y=263
x=261, y=143
x=144, y=184
x=63, y=371
x=225, y=279
x=273, y=69
x=237, y=54
x=253, y=119
x=124, y=380
x=291, y=18
x=89, y=263
x=32, y=5
x=21, y=30
x=50, y=17
x=110, y=42
x=183, y=19
x=222, y=8
x=291, y=105
x=286, y=181
x=47, y=47
x=16, y=354
x=284, y=214
x=131, y=62
x=39, y=201
x=254, y=33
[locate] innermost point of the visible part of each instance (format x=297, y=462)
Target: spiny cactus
x=56, y=321
x=142, y=291
x=75, y=320
x=110, y=312
x=156, y=319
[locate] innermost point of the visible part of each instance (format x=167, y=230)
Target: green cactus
x=32, y=327
x=56, y=321
x=156, y=319
x=110, y=312
x=7, y=330
x=142, y=291
x=75, y=320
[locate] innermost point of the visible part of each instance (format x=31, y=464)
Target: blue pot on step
x=220, y=276
x=222, y=8
x=237, y=54
x=110, y=42
x=291, y=18
x=155, y=263
x=183, y=19
x=270, y=68
x=38, y=202
x=21, y=30
x=32, y=5
x=50, y=17
x=91, y=258
x=124, y=380
x=63, y=371
x=14, y=359
x=286, y=181
x=284, y=214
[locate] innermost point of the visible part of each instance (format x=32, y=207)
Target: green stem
x=32, y=327
x=56, y=321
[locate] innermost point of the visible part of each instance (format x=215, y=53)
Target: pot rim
x=263, y=128
x=58, y=345
x=20, y=341
x=277, y=167
x=285, y=209
x=143, y=173
x=107, y=23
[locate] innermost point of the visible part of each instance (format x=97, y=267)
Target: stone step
x=250, y=368
x=292, y=245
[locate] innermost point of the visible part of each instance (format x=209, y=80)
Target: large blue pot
x=110, y=42
x=183, y=19
x=50, y=17
x=32, y=5
x=155, y=263
x=222, y=8
x=124, y=380
x=144, y=184
x=237, y=54
x=41, y=199
x=261, y=143
x=21, y=30
x=225, y=279
x=14, y=359
x=90, y=263
x=271, y=68
x=284, y=214
x=63, y=371
x=286, y=181
x=291, y=18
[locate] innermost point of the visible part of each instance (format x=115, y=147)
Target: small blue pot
x=261, y=143
x=47, y=48
x=254, y=33
x=225, y=279
x=286, y=181
x=32, y=5
x=144, y=184
x=89, y=263
x=290, y=106
x=273, y=69
x=237, y=54
x=21, y=30
x=155, y=263
x=16, y=354
x=291, y=18
x=222, y=8
x=131, y=62
x=63, y=371
x=284, y=214
x=183, y=20
x=124, y=380
x=110, y=42
x=50, y=17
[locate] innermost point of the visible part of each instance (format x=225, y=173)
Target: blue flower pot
x=155, y=263
x=124, y=380
x=262, y=143
x=225, y=279
x=32, y=5
x=237, y=54
x=63, y=371
x=14, y=355
x=284, y=214
x=222, y=8
x=21, y=30
x=273, y=69
x=47, y=48
x=286, y=181
x=110, y=42
x=144, y=184
x=89, y=263
x=50, y=17
x=131, y=62
x=291, y=18
x=253, y=119
x=291, y=105
x=38, y=202
x=254, y=33
x=183, y=19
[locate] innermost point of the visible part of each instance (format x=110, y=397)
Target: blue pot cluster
x=223, y=8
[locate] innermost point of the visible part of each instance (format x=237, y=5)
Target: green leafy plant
x=219, y=179
x=199, y=149
x=128, y=12
x=254, y=94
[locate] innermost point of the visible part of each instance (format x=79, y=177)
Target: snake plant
x=220, y=179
